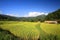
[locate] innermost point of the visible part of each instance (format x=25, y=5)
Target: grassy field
x=32, y=30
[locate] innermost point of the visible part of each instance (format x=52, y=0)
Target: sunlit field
x=32, y=30
x=21, y=29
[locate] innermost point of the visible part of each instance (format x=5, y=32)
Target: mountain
x=8, y=18
x=30, y=19
x=51, y=16
x=54, y=15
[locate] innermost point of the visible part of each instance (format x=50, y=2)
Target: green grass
x=32, y=30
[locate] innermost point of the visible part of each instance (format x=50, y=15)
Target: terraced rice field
x=32, y=30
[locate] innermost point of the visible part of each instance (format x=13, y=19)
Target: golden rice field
x=30, y=29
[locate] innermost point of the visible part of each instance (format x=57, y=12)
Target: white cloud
x=12, y=14
x=30, y=14
x=33, y=14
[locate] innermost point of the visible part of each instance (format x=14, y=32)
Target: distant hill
x=8, y=18
x=54, y=15
x=12, y=18
x=51, y=16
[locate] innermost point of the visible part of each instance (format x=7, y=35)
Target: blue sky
x=21, y=8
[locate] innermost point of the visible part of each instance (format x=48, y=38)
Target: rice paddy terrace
x=32, y=30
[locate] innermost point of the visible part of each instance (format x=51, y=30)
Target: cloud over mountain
x=33, y=14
